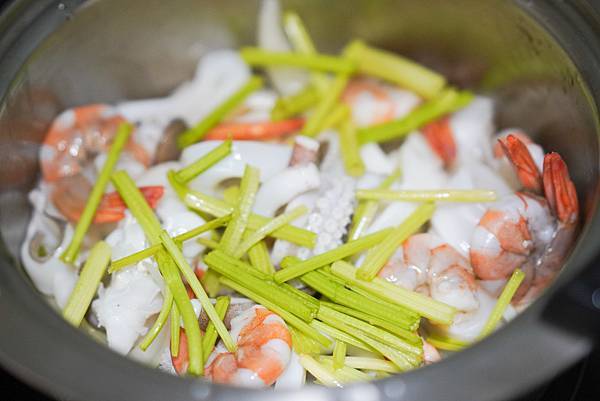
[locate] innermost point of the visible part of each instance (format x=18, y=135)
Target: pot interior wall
x=110, y=50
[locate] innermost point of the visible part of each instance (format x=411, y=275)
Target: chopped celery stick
x=320, y=372
x=367, y=363
x=340, y=335
x=378, y=256
x=303, y=344
x=289, y=106
x=339, y=355
x=343, y=251
x=207, y=204
x=434, y=195
x=209, y=243
x=353, y=163
x=314, y=124
x=410, y=336
x=396, y=69
x=330, y=315
x=87, y=216
x=302, y=43
x=366, y=210
x=345, y=374
x=210, y=282
x=210, y=336
x=289, y=318
x=503, y=301
x=245, y=275
x=175, y=330
x=89, y=279
x=196, y=133
x=260, y=258
x=319, y=62
x=339, y=113
x=231, y=194
x=160, y=320
x=446, y=102
x=235, y=230
x=150, y=251
x=427, y=307
x=268, y=228
x=144, y=215
x=205, y=162
x=198, y=290
x=445, y=343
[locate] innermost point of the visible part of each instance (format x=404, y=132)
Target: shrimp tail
x=516, y=151
x=560, y=190
x=182, y=360
x=439, y=136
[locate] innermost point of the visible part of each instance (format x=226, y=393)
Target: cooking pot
x=539, y=59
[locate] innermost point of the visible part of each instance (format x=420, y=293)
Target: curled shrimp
x=264, y=350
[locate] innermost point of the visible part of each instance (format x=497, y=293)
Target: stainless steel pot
x=539, y=58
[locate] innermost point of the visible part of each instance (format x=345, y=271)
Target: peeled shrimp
x=264, y=349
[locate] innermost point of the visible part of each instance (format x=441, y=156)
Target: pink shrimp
x=264, y=350
x=520, y=157
x=440, y=138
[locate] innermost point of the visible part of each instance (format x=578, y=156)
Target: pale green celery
x=339, y=355
x=247, y=276
x=150, y=251
x=289, y=106
x=207, y=204
x=160, y=320
x=366, y=363
x=144, y=215
x=353, y=163
x=339, y=335
x=345, y=374
x=231, y=194
x=205, y=162
x=70, y=254
x=339, y=113
x=504, y=299
x=194, y=283
x=210, y=282
x=407, y=335
x=314, y=124
x=435, y=311
x=378, y=256
x=434, y=195
x=89, y=279
x=343, y=251
x=207, y=242
x=175, y=330
x=255, y=56
x=366, y=210
x=262, y=232
x=303, y=344
x=320, y=372
x=260, y=258
x=210, y=335
x=235, y=230
x=396, y=69
x=288, y=317
x=448, y=101
x=302, y=43
x=196, y=133
x=445, y=343
x=412, y=351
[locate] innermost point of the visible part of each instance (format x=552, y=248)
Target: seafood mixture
x=288, y=216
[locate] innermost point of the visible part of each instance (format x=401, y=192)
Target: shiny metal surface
x=538, y=58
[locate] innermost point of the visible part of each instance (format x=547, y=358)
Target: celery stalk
x=337, y=334
x=303, y=344
x=339, y=113
x=314, y=124
x=348, y=249
x=445, y=343
x=209, y=243
x=196, y=133
x=260, y=258
x=175, y=330
x=289, y=106
x=504, y=299
x=446, y=102
x=160, y=320
x=320, y=62
x=349, y=148
x=89, y=279
x=339, y=355
x=205, y=162
x=366, y=363
x=345, y=374
x=320, y=372
x=434, y=195
x=87, y=216
x=378, y=256
x=210, y=282
x=210, y=336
